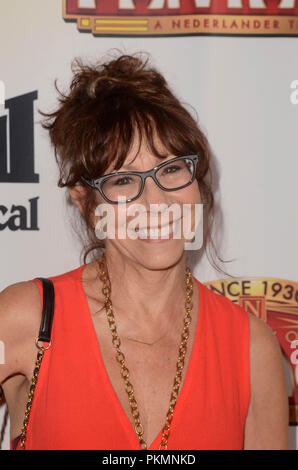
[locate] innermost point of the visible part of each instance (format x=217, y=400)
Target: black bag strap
x=44, y=332
x=48, y=310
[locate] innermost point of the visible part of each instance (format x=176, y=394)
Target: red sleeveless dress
x=76, y=407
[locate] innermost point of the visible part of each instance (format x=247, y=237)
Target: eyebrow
x=128, y=168
x=125, y=167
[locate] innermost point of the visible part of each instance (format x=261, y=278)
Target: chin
x=157, y=256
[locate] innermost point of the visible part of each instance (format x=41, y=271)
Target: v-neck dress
x=75, y=406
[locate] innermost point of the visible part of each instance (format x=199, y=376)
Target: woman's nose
x=152, y=193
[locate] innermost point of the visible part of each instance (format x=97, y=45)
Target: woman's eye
x=171, y=169
x=123, y=180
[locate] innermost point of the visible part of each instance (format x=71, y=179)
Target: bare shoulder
x=20, y=315
x=262, y=335
x=267, y=419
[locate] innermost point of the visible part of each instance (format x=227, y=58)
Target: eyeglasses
x=171, y=175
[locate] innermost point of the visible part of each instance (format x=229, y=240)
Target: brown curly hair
x=95, y=124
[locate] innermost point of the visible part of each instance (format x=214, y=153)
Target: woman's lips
x=157, y=239
x=158, y=234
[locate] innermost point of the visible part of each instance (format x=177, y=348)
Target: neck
x=153, y=297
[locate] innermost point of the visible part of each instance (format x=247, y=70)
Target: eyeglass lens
x=172, y=176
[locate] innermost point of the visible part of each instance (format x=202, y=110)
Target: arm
x=266, y=424
x=20, y=308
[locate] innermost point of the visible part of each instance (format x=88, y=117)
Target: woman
x=124, y=321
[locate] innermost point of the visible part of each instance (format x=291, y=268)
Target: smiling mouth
x=158, y=232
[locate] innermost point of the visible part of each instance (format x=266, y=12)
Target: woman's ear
x=78, y=194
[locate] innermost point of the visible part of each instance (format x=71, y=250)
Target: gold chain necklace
x=139, y=430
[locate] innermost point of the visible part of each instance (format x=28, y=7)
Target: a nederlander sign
x=184, y=17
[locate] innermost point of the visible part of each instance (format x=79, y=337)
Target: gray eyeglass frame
x=97, y=183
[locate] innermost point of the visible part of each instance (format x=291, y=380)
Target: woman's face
x=155, y=249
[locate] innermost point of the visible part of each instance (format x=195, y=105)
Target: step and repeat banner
x=233, y=61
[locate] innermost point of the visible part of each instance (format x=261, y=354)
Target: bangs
x=163, y=134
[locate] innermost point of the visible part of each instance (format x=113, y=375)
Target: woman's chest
x=142, y=377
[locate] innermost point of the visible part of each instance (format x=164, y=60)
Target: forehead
x=141, y=156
